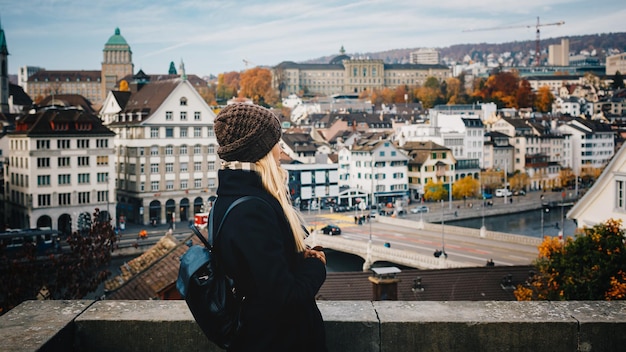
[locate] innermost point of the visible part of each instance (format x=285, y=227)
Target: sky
x=216, y=36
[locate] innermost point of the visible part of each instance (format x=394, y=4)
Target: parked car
x=521, y=192
x=487, y=195
x=503, y=192
x=419, y=209
x=331, y=229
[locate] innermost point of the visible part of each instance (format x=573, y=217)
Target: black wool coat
x=257, y=249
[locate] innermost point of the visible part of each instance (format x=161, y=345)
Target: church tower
x=117, y=62
x=4, y=73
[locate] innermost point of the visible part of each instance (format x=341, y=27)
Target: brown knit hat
x=246, y=132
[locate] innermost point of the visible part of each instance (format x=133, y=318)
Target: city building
x=93, y=85
x=59, y=166
x=166, y=152
x=498, y=152
x=615, y=63
x=376, y=167
x=592, y=144
x=607, y=197
x=345, y=74
x=558, y=54
x=427, y=56
x=428, y=161
x=24, y=73
x=313, y=186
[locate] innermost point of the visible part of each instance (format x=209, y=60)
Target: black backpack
x=210, y=294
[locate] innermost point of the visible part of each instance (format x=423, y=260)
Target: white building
x=592, y=143
x=166, y=151
x=607, y=197
x=60, y=165
x=427, y=56
x=313, y=185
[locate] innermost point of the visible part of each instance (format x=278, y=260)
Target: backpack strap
x=209, y=242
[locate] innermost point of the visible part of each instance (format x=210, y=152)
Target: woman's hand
x=315, y=253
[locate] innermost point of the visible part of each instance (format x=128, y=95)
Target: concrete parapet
x=350, y=326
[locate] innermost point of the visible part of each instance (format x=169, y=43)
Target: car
x=331, y=230
x=487, y=195
x=419, y=209
x=521, y=192
x=503, y=192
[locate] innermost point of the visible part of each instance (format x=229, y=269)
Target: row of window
x=183, y=132
x=66, y=179
x=182, y=115
x=45, y=200
x=44, y=144
x=182, y=150
x=65, y=161
x=155, y=186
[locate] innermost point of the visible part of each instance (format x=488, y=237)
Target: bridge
x=373, y=252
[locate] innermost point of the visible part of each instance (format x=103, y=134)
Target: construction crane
x=537, y=40
x=247, y=63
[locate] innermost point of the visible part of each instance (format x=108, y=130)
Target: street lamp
x=443, y=243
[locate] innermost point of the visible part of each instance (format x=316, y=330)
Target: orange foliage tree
x=590, y=267
x=227, y=85
x=256, y=84
x=467, y=187
x=544, y=100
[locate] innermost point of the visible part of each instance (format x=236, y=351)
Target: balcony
x=84, y=325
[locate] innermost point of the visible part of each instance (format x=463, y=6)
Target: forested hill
x=604, y=43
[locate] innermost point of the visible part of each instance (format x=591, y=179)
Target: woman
x=261, y=244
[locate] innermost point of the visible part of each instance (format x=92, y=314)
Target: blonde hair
x=274, y=180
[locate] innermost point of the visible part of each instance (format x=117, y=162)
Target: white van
x=502, y=192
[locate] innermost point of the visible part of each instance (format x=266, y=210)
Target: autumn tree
x=501, y=88
x=69, y=272
x=435, y=191
x=590, y=267
x=519, y=181
x=467, y=187
x=227, y=85
x=256, y=84
x=430, y=93
x=544, y=100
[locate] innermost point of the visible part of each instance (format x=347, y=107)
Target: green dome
x=116, y=39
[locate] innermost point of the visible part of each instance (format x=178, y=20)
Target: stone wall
x=350, y=326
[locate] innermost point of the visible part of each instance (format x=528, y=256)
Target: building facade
x=60, y=165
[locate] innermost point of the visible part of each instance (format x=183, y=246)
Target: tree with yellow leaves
x=256, y=84
x=467, y=187
x=435, y=191
x=590, y=267
x=544, y=100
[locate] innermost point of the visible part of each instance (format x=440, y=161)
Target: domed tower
x=117, y=62
x=4, y=73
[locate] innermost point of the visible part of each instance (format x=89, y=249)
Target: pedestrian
x=261, y=244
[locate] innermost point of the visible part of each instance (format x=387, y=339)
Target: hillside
x=602, y=44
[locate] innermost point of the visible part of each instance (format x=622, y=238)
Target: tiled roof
x=65, y=76
x=146, y=275
x=463, y=284
x=68, y=100
x=148, y=99
x=60, y=121
x=19, y=96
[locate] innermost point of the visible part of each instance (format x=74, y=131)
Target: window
x=196, y=115
x=103, y=196
x=197, y=183
x=169, y=132
x=63, y=144
x=142, y=186
x=154, y=185
x=65, y=179
x=63, y=161
x=197, y=131
x=211, y=149
x=43, y=162
x=82, y=143
x=169, y=185
x=183, y=149
x=43, y=200
x=168, y=116
x=154, y=168
x=183, y=115
x=102, y=143
x=183, y=132
x=83, y=161
x=83, y=178
x=197, y=149
x=211, y=183
x=183, y=167
x=83, y=197
x=102, y=177
x=65, y=198
x=43, y=180
x=43, y=144
x=183, y=101
x=197, y=166
x=211, y=131
x=211, y=166
x=154, y=150
x=619, y=185
x=154, y=132
x=183, y=184
x=102, y=160
x=141, y=169
x=169, y=150
x=169, y=167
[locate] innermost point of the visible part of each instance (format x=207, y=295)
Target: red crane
x=537, y=45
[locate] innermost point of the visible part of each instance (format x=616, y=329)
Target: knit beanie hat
x=246, y=132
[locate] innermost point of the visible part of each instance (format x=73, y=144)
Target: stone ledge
x=350, y=326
